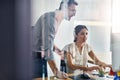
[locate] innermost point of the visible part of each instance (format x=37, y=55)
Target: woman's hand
x=105, y=65
x=94, y=68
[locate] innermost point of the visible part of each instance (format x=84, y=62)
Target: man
x=43, y=38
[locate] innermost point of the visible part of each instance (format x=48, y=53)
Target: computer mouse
x=84, y=76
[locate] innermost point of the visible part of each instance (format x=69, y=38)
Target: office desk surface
x=95, y=78
x=52, y=78
x=72, y=79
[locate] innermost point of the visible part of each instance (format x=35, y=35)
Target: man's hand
x=61, y=75
x=58, y=51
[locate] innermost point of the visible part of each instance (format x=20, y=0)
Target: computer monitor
x=115, y=47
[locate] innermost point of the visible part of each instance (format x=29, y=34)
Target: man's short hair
x=68, y=3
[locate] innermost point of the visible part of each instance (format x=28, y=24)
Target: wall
x=38, y=7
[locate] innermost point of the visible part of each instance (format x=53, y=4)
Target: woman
x=78, y=51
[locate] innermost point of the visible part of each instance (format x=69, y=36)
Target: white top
x=77, y=57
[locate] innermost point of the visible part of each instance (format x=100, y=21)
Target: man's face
x=71, y=11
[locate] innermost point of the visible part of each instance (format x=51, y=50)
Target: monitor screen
x=115, y=47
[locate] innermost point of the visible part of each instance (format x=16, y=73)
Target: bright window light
x=116, y=16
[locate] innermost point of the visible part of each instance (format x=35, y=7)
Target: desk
x=54, y=78
x=95, y=78
x=51, y=78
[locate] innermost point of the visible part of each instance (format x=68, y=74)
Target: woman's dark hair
x=77, y=29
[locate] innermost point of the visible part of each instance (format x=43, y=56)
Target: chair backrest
x=64, y=63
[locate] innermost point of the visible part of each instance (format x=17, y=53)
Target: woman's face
x=82, y=35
